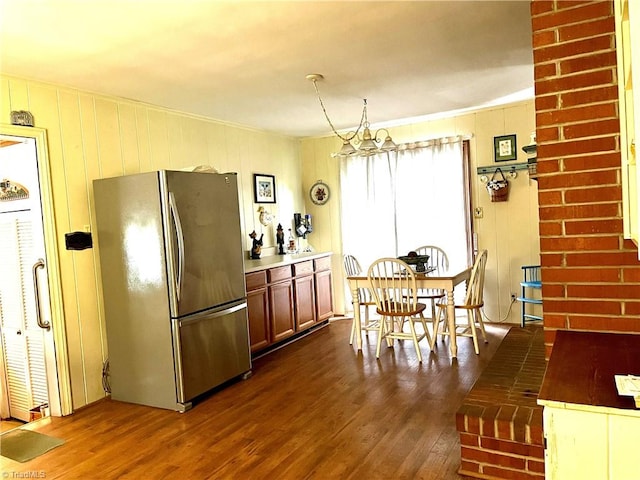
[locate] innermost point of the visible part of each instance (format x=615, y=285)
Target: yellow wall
x=508, y=230
x=92, y=136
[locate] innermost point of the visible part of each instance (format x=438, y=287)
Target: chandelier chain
x=363, y=119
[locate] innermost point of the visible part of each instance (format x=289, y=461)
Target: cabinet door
x=324, y=296
x=624, y=438
x=258, y=311
x=305, y=305
x=576, y=444
x=281, y=310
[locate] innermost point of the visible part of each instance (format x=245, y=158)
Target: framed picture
x=504, y=148
x=264, y=188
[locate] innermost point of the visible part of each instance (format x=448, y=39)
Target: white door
x=28, y=352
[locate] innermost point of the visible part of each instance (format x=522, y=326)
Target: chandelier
x=367, y=144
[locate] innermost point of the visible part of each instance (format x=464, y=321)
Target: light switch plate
x=477, y=212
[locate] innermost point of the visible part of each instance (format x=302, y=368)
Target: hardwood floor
x=315, y=409
x=10, y=424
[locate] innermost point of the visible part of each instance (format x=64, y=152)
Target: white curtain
x=395, y=202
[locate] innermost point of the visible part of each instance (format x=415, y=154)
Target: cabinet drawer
x=303, y=268
x=323, y=263
x=255, y=280
x=279, y=273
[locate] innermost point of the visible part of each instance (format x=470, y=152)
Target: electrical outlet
x=513, y=297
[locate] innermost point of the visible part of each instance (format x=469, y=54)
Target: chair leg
x=445, y=323
x=433, y=315
x=481, y=323
x=474, y=333
x=353, y=330
x=436, y=324
x=522, y=310
x=426, y=329
x=399, y=323
x=433, y=308
x=390, y=326
x=412, y=327
x=366, y=319
x=382, y=330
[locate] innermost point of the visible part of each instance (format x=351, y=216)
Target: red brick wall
x=590, y=274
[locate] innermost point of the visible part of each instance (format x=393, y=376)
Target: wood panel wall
x=92, y=136
x=591, y=275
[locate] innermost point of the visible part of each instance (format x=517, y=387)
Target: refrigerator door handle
x=219, y=313
x=180, y=238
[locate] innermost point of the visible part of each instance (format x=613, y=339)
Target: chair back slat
x=531, y=273
x=351, y=266
x=437, y=256
x=393, y=285
x=475, y=287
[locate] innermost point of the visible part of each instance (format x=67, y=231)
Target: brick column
x=590, y=273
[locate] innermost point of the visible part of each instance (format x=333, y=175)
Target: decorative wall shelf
x=505, y=168
x=530, y=164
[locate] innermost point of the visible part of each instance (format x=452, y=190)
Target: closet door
x=32, y=330
x=22, y=338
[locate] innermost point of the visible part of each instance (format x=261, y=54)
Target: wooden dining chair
x=352, y=268
x=393, y=285
x=473, y=302
x=437, y=259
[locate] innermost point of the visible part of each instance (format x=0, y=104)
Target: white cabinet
x=591, y=442
x=590, y=431
x=627, y=20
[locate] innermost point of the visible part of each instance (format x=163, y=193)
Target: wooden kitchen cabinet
x=269, y=306
x=281, y=303
x=258, y=308
x=304, y=295
x=286, y=300
x=323, y=292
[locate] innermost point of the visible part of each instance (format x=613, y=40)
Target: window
x=395, y=202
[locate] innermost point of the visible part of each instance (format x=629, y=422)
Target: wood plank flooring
x=10, y=424
x=315, y=409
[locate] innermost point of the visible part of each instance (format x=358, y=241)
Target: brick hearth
x=500, y=424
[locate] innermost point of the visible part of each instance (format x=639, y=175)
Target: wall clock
x=319, y=193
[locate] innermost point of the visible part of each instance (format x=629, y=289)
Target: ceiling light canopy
x=367, y=144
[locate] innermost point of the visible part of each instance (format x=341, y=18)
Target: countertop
x=280, y=260
x=581, y=370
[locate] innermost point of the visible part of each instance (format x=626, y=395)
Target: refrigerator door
x=211, y=348
x=204, y=244
x=134, y=286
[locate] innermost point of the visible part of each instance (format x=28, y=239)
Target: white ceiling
x=245, y=62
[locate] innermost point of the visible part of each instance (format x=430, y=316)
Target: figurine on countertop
x=280, y=239
x=257, y=245
x=292, y=244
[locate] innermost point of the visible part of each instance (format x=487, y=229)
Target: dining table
x=442, y=279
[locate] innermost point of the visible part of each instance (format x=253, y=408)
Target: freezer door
x=204, y=244
x=211, y=348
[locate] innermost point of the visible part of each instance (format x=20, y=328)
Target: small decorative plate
x=319, y=193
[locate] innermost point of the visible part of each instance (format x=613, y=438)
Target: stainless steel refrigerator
x=173, y=285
